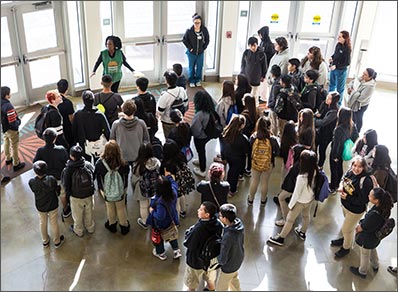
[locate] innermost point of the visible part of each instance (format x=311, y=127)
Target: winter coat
x=232, y=250
x=9, y=116
x=325, y=126
x=254, y=66
x=220, y=191
x=266, y=44
x=55, y=156
x=281, y=59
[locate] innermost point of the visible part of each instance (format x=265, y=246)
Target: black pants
x=236, y=167
x=357, y=117
x=336, y=171
x=322, y=152
x=200, y=145
x=115, y=87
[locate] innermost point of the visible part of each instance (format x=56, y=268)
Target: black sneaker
x=19, y=166
x=5, y=179
x=355, y=271
x=183, y=214
x=299, y=233
x=392, y=270
x=342, y=252
x=263, y=203
x=276, y=200
x=276, y=240
x=8, y=162
x=46, y=244
x=67, y=212
x=250, y=203
x=247, y=172
x=61, y=242
x=337, y=242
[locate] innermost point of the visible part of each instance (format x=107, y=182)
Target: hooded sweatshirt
x=254, y=66
x=232, y=250
x=266, y=43
x=130, y=134
x=361, y=97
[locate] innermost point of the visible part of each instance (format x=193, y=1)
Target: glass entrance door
x=34, y=59
x=152, y=42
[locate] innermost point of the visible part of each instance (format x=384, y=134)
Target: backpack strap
x=214, y=196
x=109, y=97
x=106, y=165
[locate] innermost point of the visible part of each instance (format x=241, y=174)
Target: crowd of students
x=109, y=135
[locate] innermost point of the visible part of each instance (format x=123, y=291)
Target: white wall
x=94, y=40
x=227, y=51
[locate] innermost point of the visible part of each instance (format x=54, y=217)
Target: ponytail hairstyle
x=308, y=164
x=232, y=130
x=385, y=203
x=372, y=73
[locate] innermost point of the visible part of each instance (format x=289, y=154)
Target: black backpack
x=40, y=122
x=210, y=251
x=386, y=229
x=82, y=182
x=321, y=95
x=213, y=128
x=391, y=184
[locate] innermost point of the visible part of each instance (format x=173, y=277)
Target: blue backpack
x=233, y=109
x=321, y=189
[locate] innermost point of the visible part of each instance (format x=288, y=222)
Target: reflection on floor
x=105, y=261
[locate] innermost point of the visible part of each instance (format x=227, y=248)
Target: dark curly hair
x=203, y=101
x=385, y=202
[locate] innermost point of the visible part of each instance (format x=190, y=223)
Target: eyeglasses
x=197, y=22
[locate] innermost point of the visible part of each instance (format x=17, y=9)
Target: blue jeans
x=195, y=74
x=337, y=81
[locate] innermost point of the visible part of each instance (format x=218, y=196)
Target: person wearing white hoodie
x=359, y=96
x=302, y=198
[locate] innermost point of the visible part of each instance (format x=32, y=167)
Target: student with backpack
x=181, y=134
x=232, y=250
x=173, y=97
x=10, y=123
x=236, y=147
x=302, y=198
x=163, y=215
x=144, y=179
x=308, y=95
x=226, y=105
x=111, y=172
x=242, y=87
x=78, y=181
x=204, y=109
x=150, y=121
x=216, y=189
x=147, y=98
x=294, y=71
x=196, y=237
x=366, y=231
x=109, y=102
x=275, y=74
x=264, y=149
x=56, y=158
x=365, y=146
x=46, y=190
x=354, y=190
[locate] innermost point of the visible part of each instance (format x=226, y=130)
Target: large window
x=211, y=53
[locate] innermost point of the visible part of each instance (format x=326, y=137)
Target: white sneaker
x=280, y=222
x=195, y=162
x=162, y=256
x=191, y=85
x=198, y=83
x=198, y=172
x=177, y=254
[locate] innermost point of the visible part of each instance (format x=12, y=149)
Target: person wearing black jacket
x=339, y=62
x=56, y=157
x=89, y=124
x=46, y=192
x=266, y=43
x=195, y=238
x=345, y=128
x=366, y=231
x=325, y=122
x=54, y=118
x=196, y=39
x=147, y=98
x=81, y=200
x=354, y=190
x=254, y=65
x=309, y=92
x=66, y=110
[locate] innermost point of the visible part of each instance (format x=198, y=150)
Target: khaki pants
x=118, y=209
x=181, y=207
x=298, y=208
x=82, y=214
x=282, y=203
x=274, y=123
x=348, y=229
x=193, y=276
x=53, y=217
x=255, y=181
x=144, y=209
x=256, y=92
x=368, y=256
x=228, y=281
x=11, y=144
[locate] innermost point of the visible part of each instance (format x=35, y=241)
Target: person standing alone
x=196, y=39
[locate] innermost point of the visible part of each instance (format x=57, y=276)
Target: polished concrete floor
x=108, y=262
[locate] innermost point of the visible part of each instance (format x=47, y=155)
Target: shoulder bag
x=171, y=232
